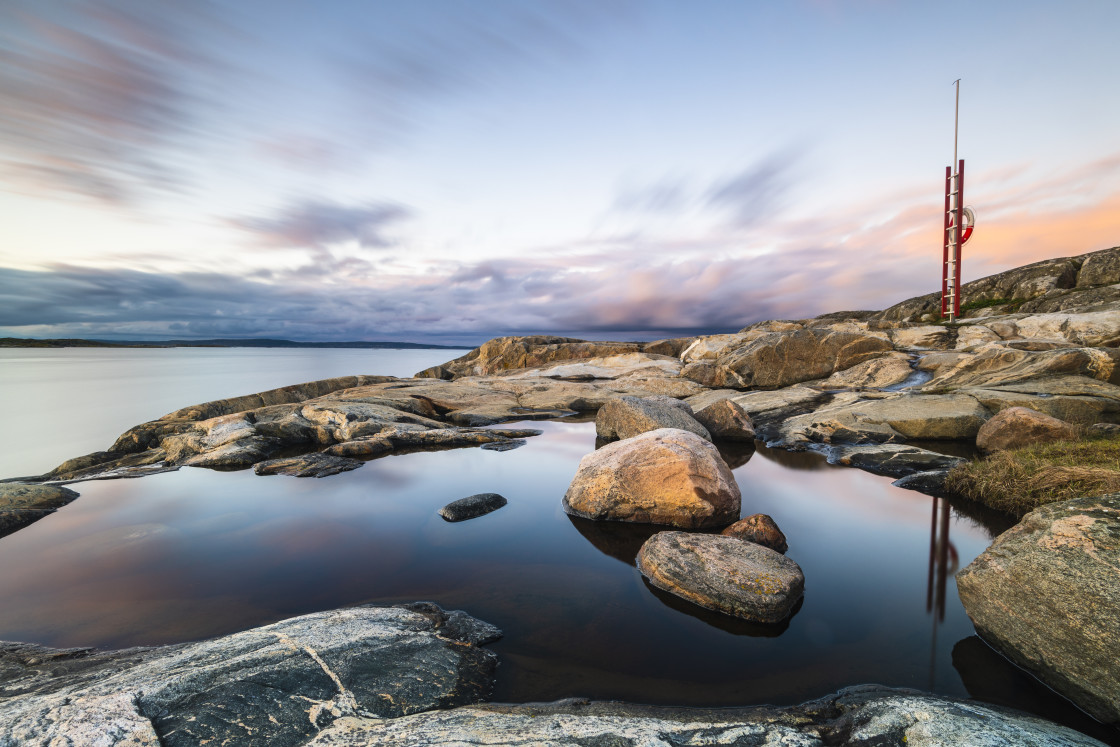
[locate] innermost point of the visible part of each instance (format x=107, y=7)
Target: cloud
x=96, y=95
x=756, y=193
x=318, y=224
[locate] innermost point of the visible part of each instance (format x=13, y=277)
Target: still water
x=196, y=553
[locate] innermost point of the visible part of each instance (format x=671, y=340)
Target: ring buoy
x=969, y=222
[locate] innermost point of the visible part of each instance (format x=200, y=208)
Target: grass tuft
x=1021, y=480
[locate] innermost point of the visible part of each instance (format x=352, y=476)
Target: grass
x=1020, y=480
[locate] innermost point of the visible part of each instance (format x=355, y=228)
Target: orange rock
x=1022, y=426
x=759, y=529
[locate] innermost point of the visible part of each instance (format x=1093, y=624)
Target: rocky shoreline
x=862, y=387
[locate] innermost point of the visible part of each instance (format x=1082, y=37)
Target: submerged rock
x=472, y=506
x=1046, y=594
x=1015, y=427
x=627, y=417
x=666, y=476
x=724, y=574
x=893, y=460
x=865, y=716
x=22, y=504
x=759, y=529
x=275, y=685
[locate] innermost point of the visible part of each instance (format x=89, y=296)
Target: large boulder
x=275, y=685
x=667, y=476
x=1015, y=427
x=535, y=351
x=1100, y=268
x=725, y=574
x=779, y=359
x=1046, y=594
x=864, y=716
x=627, y=417
x=996, y=364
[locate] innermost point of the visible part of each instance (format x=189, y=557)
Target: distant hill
x=21, y=342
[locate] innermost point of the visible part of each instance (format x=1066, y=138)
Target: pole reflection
x=943, y=562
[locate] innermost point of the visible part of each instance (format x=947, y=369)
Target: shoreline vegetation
x=28, y=342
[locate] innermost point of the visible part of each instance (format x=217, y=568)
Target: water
x=196, y=553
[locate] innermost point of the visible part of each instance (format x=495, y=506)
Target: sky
x=447, y=171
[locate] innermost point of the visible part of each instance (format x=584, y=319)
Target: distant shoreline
x=26, y=342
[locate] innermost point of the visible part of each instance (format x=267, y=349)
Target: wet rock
x=724, y=574
x=759, y=529
x=472, y=506
x=627, y=417
x=275, y=685
x=865, y=716
x=893, y=460
x=315, y=464
x=507, y=445
x=726, y=421
x=666, y=476
x=1045, y=595
x=930, y=482
x=1016, y=427
x=22, y=504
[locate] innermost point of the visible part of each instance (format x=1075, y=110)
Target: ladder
x=951, y=253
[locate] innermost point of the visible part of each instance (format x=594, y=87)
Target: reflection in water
x=726, y=623
x=799, y=460
x=736, y=453
x=617, y=539
x=943, y=562
x=993, y=679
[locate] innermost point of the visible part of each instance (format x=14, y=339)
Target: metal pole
x=956, y=118
x=955, y=230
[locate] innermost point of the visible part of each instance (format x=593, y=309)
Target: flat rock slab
x=315, y=464
x=627, y=417
x=472, y=506
x=723, y=574
x=893, y=460
x=22, y=504
x=275, y=685
x=868, y=716
x=667, y=476
x=1047, y=595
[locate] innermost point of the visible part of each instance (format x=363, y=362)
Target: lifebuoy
x=969, y=222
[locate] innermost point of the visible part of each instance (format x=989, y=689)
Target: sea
x=196, y=553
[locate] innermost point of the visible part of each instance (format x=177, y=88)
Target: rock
x=666, y=476
x=315, y=464
x=726, y=421
x=507, y=445
x=1045, y=594
x=22, y=504
x=275, y=685
x=922, y=337
x=472, y=506
x=971, y=336
x=759, y=529
x=710, y=347
x=930, y=482
x=854, y=418
x=673, y=346
x=609, y=367
x=239, y=454
x=1104, y=430
x=626, y=417
x=894, y=368
x=779, y=359
x=509, y=353
x=1100, y=268
x=865, y=716
x=724, y=574
x=1016, y=427
x=893, y=460
x=1092, y=329
x=996, y=364
x=1072, y=409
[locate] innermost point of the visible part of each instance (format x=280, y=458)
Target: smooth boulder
x=1046, y=594
x=723, y=574
x=759, y=529
x=627, y=417
x=667, y=476
x=1016, y=427
x=472, y=506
